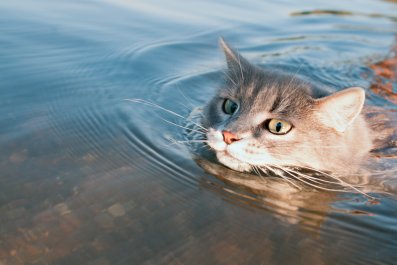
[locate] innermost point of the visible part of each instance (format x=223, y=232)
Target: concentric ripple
x=88, y=177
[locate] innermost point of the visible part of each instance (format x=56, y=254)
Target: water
x=88, y=178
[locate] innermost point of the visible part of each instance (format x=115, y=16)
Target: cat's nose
x=229, y=137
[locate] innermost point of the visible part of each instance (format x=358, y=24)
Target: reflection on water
x=342, y=13
x=289, y=204
x=89, y=178
x=385, y=78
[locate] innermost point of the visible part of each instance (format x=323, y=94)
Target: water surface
x=89, y=178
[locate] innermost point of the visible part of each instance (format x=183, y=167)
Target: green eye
x=279, y=126
x=229, y=106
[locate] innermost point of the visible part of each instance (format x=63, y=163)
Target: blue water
x=89, y=178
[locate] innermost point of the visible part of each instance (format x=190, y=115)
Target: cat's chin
x=226, y=159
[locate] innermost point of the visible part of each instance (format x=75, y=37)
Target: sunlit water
x=89, y=178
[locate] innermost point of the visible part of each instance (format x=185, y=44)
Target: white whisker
x=284, y=178
x=317, y=180
x=193, y=130
x=185, y=142
x=186, y=107
x=256, y=169
x=308, y=183
x=192, y=141
x=142, y=101
x=295, y=74
x=186, y=98
x=343, y=183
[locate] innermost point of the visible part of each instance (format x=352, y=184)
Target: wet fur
x=315, y=141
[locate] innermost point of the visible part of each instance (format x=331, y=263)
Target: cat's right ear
x=235, y=62
x=340, y=109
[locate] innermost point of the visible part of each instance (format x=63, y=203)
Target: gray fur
x=313, y=141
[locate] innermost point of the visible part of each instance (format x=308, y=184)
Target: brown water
x=88, y=178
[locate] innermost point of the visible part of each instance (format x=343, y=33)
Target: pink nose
x=229, y=137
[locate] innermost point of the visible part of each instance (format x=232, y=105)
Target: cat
x=269, y=120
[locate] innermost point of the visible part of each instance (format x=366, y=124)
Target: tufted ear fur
x=236, y=63
x=340, y=109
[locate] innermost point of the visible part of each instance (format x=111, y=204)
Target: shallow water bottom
x=89, y=178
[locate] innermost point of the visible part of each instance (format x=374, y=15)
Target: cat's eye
x=229, y=106
x=279, y=127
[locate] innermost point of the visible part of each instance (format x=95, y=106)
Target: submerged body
x=268, y=120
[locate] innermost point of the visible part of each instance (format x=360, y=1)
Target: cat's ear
x=340, y=109
x=235, y=62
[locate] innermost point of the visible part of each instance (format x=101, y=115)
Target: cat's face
x=263, y=118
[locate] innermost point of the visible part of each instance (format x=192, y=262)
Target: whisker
x=295, y=74
x=139, y=100
x=309, y=183
x=343, y=183
x=205, y=145
x=186, y=98
x=256, y=169
x=317, y=180
x=142, y=101
x=309, y=178
x=302, y=146
x=193, y=130
x=259, y=171
x=323, y=188
x=284, y=178
x=184, y=142
x=192, y=141
x=186, y=107
x=176, y=143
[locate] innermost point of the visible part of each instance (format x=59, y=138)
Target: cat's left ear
x=340, y=109
x=235, y=61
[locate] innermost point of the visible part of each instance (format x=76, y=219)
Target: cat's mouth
x=227, y=159
x=223, y=152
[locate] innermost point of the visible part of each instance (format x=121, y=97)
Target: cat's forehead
x=271, y=93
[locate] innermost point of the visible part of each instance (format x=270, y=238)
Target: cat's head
x=267, y=118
